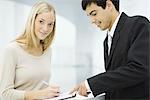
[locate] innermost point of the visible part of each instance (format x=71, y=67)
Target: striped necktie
x=109, y=41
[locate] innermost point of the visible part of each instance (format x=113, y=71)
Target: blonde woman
x=26, y=61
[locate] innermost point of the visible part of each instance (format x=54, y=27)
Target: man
x=126, y=53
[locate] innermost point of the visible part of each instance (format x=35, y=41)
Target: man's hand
x=81, y=89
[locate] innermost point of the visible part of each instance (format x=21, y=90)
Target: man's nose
x=93, y=20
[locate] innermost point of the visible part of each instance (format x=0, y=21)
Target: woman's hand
x=49, y=92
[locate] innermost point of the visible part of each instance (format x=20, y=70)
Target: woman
x=26, y=61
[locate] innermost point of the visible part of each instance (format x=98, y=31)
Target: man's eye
x=93, y=14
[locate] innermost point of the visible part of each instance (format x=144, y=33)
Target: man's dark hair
x=101, y=3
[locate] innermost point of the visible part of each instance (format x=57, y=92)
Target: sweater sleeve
x=8, y=63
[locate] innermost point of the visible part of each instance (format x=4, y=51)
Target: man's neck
x=115, y=14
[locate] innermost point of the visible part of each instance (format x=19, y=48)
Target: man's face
x=99, y=16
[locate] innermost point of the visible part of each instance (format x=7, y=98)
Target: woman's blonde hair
x=28, y=37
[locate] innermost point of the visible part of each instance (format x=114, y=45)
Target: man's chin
x=102, y=29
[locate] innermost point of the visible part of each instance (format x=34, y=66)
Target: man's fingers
x=74, y=89
x=82, y=90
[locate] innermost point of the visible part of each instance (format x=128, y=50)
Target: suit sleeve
x=134, y=71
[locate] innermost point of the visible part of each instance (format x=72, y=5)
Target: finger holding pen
x=46, y=93
x=53, y=91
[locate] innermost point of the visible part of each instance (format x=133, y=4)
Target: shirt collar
x=111, y=32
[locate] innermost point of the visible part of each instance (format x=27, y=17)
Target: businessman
x=126, y=53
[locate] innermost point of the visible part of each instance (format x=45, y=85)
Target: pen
x=45, y=83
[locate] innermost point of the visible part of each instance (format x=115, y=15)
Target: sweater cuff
x=19, y=95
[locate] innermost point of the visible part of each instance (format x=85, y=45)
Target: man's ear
x=109, y=4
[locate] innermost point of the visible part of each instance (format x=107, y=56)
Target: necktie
x=109, y=43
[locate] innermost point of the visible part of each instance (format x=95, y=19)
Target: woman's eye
x=41, y=21
x=51, y=24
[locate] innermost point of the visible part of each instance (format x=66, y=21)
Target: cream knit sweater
x=21, y=71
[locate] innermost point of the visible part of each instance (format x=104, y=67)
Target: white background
x=78, y=46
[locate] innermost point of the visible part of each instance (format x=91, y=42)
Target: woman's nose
x=45, y=28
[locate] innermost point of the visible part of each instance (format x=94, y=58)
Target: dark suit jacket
x=127, y=66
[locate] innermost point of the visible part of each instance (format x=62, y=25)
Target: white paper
x=74, y=96
x=63, y=96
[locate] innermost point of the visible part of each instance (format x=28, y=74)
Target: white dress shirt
x=110, y=36
x=111, y=33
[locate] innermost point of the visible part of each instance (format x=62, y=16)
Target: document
x=67, y=96
x=64, y=96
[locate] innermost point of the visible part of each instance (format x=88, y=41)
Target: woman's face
x=44, y=24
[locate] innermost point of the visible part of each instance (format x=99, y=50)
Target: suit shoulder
x=139, y=19
x=138, y=24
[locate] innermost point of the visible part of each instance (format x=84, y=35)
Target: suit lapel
x=113, y=46
x=116, y=36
